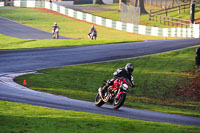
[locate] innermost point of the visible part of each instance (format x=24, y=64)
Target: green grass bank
x=7, y=42
x=24, y=118
x=44, y=19
x=158, y=79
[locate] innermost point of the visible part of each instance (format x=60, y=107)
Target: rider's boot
x=89, y=36
x=102, y=89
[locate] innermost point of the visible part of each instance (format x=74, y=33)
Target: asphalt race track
x=34, y=59
x=14, y=29
x=15, y=61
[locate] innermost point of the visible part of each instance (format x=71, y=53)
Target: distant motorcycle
x=55, y=34
x=114, y=94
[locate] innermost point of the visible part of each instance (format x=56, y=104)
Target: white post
x=196, y=30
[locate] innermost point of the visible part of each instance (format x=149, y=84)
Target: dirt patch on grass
x=96, y=8
x=192, y=90
x=56, y=13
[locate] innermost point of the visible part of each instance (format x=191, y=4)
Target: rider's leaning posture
x=93, y=33
x=55, y=26
x=125, y=72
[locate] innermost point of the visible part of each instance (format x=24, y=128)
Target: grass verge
x=157, y=79
x=18, y=117
x=44, y=19
x=16, y=43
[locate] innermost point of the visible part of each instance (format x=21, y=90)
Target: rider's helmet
x=129, y=68
x=55, y=23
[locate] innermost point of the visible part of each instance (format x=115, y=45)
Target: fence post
x=150, y=14
x=164, y=20
x=196, y=31
x=192, y=12
x=120, y=5
x=160, y=19
x=150, y=8
x=168, y=21
x=165, y=11
x=184, y=7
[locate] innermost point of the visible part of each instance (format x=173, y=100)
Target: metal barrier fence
x=130, y=14
x=168, y=3
x=163, y=3
x=192, y=31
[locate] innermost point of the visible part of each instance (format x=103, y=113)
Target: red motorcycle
x=115, y=94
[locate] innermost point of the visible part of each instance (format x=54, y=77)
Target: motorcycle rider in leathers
x=121, y=72
x=54, y=27
x=94, y=31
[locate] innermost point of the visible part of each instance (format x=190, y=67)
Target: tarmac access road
x=15, y=29
x=16, y=61
x=34, y=59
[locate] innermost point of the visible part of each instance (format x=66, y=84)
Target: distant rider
x=55, y=27
x=125, y=72
x=93, y=33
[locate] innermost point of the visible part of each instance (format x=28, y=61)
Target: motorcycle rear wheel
x=119, y=102
x=98, y=101
x=57, y=35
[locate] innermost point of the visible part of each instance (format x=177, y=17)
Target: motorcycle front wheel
x=119, y=102
x=98, y=101
x=53, y=36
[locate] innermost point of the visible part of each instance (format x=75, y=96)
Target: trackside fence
x=1, y=3
x=192, y=31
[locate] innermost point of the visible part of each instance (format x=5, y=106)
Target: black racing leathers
x=121, y=72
